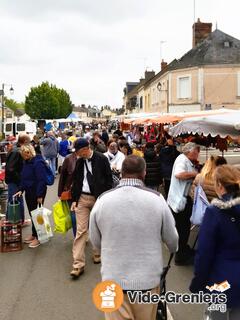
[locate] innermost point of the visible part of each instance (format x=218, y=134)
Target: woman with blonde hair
x=205, y=177
x=33, y=183
x=217, y=259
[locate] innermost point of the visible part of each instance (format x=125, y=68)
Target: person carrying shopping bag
x=65, y=183
x=33, y=183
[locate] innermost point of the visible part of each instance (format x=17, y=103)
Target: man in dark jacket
x=92, y=176
x=14, y=164
x=168, y=155
x=104, y=136
x=153, y=176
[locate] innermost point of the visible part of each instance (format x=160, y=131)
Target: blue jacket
x=64, y=148
x=33, y=177
x=218, y=254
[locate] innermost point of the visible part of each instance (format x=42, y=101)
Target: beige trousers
x=129, y=311
x=85, y=204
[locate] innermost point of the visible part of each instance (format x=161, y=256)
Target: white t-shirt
x=88, y=136
x=179, y=189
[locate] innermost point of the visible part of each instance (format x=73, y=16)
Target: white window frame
x=189, y=76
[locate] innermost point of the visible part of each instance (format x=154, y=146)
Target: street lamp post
x=160, y=89
x=2, y=95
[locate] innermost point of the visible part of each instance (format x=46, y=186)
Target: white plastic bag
x=40, y=217
x=200, y=204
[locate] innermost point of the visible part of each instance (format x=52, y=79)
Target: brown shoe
x=76, y=272
x=97, y=259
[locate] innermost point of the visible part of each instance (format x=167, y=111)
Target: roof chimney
x=201, y=31
x=163, y=65
x=149, y=75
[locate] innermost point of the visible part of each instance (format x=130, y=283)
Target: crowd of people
x=131, y=192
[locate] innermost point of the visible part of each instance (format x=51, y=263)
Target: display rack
x=11, y=236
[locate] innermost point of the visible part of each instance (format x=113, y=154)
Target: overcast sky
x=91, y=48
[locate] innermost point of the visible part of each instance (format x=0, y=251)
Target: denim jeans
x=12, y=189
x=52, y=164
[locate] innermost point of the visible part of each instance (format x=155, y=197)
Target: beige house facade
x=206, y=77
x=107, y=114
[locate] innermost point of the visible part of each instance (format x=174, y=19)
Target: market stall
x=223, y=125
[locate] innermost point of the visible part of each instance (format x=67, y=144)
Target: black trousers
x=32, y=204
x=166, y=186
x=183, y=226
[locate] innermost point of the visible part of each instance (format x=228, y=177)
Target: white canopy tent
x=226, y=124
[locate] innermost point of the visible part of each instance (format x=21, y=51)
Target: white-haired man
x=183, y=173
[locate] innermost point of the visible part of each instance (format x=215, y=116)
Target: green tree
x=48, y=102
x=13, y=105
x=65, y=104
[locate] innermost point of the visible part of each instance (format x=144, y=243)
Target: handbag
x=66, y=195
x=115, y=179
x=14, y=211
x=61, y=217
x=200, y=204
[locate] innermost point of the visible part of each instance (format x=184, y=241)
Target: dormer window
x=227, y=44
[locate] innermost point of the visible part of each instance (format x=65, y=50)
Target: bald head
x=134, y=167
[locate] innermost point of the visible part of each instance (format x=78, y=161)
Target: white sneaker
x=34, y=244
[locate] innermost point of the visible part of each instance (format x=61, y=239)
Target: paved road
x=231, y=156
x=35, y=283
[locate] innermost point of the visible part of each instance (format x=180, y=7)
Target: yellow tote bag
x=61, y=217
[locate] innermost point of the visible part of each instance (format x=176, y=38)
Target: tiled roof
x=217, y=48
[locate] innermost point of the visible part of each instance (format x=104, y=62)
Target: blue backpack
x=49, y=175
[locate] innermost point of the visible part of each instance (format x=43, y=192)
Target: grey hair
x=188, y=147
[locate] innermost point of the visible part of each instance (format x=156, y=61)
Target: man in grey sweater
x=50, y=150
x=129, y=224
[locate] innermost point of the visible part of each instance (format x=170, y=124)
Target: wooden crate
x=11, y=236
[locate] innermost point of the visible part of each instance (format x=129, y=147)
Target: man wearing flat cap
x=92, y=177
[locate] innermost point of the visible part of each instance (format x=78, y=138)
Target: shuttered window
x=184, y=87
x=238, y=84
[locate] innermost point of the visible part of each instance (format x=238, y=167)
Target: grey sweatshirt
x=128, y=224
x=50, y=147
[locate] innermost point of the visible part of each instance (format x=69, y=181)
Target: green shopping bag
x=61, y=217
x=14, y=211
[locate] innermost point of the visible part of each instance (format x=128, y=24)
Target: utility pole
x=2, y=94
